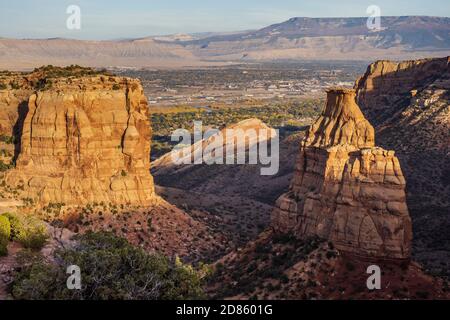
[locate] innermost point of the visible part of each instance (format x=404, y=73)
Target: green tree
x=5, y=232
x=28, y=231
x=111, y=268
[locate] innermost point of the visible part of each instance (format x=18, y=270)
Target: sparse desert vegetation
x=30, y=232
x=100, y=210
x=111, y=269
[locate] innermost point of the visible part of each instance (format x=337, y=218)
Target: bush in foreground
x=111, y=268
x=34, y=236
x=5, y=231
x=28, y=231
x=16, y=223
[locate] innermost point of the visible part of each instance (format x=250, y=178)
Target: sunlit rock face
x=345, y=189
x=86, y=140
x=387, y=88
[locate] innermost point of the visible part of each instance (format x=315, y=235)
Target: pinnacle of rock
x=342, y=122
x=345, y=189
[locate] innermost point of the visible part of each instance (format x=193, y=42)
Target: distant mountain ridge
x=407, y=26
x=299, y=38
x=399, y=38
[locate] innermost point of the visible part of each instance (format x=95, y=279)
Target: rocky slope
x=86, y=140
x=234, y=199
x=409, y=104
x=278, y=266
x=345, y=189
x=228, y=180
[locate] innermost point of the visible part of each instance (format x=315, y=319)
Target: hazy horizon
x=108, y=20
x=195, y=33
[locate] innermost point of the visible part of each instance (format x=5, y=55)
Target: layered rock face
x=86, y=140
x=15, y=89
x=345, y=189
x=10, y=105
x=409, y=104
x=387, y=87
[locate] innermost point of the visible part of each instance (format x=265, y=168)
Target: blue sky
x=103, y=19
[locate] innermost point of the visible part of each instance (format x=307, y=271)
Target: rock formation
x=387, y=87
x=212, y=149
x=10, y=104
x=409, y=104
x=230, y=180
x=84, y=140
x=345, y=189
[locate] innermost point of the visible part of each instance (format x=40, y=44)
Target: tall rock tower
x=345, y=189
x=86, y=140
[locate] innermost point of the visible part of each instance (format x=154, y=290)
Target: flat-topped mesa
x=341, y=122
x=86, y=140
x=345, y=189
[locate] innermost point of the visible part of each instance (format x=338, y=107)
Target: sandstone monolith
x=345, y=189
x=86, y=140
